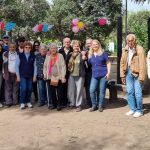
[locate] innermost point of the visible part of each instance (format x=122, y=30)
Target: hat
x=6, y=36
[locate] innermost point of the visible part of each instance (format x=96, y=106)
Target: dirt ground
x=43, y=129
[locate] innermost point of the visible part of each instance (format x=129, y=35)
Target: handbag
x=54, y=81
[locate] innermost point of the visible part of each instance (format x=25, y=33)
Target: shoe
x=100, y=109
x=137, y=114
x=70, y=107
x=129, y=113
x=22, y=106
x=94, y=108
x=1, y=105
x=51, y=107
x=8, y=105
x=29, y=105
x=58, y=108
x=78, y=109
x=41, y=104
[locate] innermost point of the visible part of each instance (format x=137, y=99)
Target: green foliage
x=25, y=13
x=88, y=11
x=137, y=23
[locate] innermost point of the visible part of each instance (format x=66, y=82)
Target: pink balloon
x=75, y=29
x=35, y=29
x=75, y=22
x=102, y=21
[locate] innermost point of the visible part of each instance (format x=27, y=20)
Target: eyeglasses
x=36, y=45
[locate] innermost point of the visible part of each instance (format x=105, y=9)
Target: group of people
x=59, y=77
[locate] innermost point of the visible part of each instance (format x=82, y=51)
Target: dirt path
x=42, y=129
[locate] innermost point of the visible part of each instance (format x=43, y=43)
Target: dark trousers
x=41, y=87
x=35, y=91
x=64, y=94
x=87, y=88
x=11, y=89
x=55, y=94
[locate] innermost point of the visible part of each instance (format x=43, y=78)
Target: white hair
x=133, y=35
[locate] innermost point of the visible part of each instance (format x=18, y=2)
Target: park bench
x=114, y=87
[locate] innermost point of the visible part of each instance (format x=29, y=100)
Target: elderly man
x=133, y=73
x=66, y=50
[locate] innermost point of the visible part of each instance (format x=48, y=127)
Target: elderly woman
x=41, y=83
x=26, y=72
x=100, y=73
x=77, y=69
x=54, y=72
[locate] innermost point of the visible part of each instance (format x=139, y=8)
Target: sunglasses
x=6, y=37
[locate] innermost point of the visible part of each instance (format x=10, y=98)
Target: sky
x=132, y=6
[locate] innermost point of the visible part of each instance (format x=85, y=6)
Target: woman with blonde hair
x=77, y=68
x=100, y=73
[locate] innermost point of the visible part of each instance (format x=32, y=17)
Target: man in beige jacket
x=133, y=73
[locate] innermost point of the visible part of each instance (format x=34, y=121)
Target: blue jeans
x=41, y=87
x=25, y=90
x=134, y=90
x=100, y=82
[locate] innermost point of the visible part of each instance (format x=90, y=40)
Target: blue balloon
x=10, y=26
x=45, y=28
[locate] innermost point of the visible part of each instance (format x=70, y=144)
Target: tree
x=88, y=11
x=137, y=23
x=25, y=13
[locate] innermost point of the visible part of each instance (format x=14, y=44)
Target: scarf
x=52, y=62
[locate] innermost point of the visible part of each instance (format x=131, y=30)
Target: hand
x=18, y=79
x=4, y=76
x=83, y=53
x=141, y=82
x=123, y=80
x=84, y=58
x=44, y=77
x=107, y=76
x=34, y=79
x=63, y=80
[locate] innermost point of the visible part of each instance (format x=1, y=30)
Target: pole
x=126, y=19
x=149, y=33
x=119, y=47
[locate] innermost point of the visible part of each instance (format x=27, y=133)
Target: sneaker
x=78, y=109
x=22, y=106
x=29, y=105
x=129, y=113
x=137, y=114
x=1, y=105
x=100, y=109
